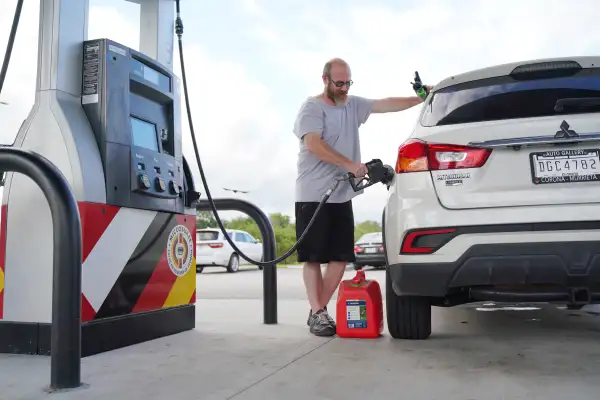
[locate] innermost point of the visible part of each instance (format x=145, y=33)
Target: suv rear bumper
x=557, y=266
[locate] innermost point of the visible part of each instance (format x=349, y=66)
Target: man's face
x=338, y=83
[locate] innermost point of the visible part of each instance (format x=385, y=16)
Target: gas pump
x=109, y=118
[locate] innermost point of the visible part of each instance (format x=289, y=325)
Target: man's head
x=337, y=80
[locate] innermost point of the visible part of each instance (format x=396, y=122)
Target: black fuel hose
x=11, y=42
x=179, y=32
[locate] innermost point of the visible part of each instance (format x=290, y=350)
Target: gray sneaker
x=320, y=325
x=331, y=321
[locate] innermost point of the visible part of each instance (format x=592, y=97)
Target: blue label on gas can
x=356, y=314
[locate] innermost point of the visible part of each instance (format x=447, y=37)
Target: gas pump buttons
x=144, y=181
x=160, y=184
x=173, y=187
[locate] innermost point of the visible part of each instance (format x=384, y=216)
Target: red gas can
x=359, y=308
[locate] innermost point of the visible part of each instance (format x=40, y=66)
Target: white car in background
x=496, y=195
x=213, y=250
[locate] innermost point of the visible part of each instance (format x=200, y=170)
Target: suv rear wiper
x=576, y=102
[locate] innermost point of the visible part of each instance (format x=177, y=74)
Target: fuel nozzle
x=377, y=172
x=418, y=87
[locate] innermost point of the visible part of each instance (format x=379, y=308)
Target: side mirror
x=257, y=241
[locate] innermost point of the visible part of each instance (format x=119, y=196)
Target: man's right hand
x=359, y=170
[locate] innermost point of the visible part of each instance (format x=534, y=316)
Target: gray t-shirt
x=338, y=126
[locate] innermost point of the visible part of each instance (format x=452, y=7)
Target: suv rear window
x=507, y=98
x=207, y=235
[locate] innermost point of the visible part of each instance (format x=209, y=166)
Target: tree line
x=285, y=230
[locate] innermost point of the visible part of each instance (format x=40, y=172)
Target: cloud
x=239, y=131
x=236, y=119
x=19, y=85
x=386, y=43
x=244, y=106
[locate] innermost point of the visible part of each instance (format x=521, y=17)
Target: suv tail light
x=416, y=155
x=426, y=241
x=215, y=245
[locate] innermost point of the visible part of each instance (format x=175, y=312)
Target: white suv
x=496, y=195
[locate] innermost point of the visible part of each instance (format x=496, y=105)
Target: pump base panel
x=100, y=335
x=138, y=281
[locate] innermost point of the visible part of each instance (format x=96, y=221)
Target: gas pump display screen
x=150, y=75
x=144, y=134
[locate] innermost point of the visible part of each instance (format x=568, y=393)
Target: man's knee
x=337, y=264
x=312, y=265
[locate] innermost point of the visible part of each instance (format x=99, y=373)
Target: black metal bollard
x=269, y=248
x=65, y=345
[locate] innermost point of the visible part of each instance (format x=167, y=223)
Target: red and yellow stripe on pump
x=167, y=287
x=2, y=257
x=184, y=289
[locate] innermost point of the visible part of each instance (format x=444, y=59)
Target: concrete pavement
x=476, y=352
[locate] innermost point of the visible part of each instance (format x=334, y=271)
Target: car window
x=368, y=237
x=506, y=98
x=249, y=238
x=207, y=235
x=239, y=237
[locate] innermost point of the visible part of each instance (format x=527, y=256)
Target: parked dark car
x=369, y=251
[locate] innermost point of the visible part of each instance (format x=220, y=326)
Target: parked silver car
x=369, y=251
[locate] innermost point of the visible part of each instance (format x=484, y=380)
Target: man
x=327, y=127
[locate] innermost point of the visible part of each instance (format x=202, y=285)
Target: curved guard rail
x=65, y=347
x=269, y=248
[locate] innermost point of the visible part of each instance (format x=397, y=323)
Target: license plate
x=370, y=250
x=565, y=166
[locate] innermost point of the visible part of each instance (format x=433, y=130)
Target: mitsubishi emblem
x=565, y=132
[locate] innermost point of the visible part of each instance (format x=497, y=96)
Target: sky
x=251, y=63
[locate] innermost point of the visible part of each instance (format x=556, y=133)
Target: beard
x=337, y=98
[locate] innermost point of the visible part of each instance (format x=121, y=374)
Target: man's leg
x=312, y=252
x=313, y=282
x=333, y=276
x=341, y=244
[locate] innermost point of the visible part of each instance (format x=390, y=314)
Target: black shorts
x=331, y=237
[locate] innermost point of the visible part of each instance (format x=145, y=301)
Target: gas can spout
x=358, y=278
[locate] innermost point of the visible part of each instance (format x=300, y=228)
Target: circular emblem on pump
x=180, y=250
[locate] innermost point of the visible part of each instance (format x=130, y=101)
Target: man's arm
x=394, y=104
x=324, y=152
x=308, y=128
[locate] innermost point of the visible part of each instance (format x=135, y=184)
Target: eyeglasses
x=339, y=84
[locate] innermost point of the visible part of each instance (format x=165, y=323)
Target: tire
x=408, y=317
x=234, y=263
x=199, y=269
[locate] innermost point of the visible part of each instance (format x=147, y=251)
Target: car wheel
x=199, y=269
x=234, y=263
x=408, y=317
